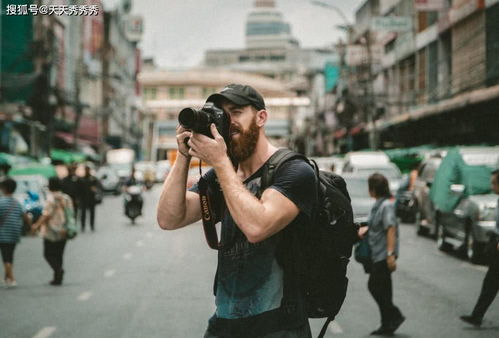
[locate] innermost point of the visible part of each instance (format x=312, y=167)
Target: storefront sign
x=391, y=23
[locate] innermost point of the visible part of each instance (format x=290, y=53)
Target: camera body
x=199, y=121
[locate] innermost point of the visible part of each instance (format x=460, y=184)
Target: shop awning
x=14, y=159
x=67, y=156
x=45, y=170
x=455, y=103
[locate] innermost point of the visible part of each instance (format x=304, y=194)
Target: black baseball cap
x=239, y=94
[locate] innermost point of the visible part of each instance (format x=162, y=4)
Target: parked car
x=358, y=190
x=387, y=169
x=472, y=218
x=109, y=180
x=328, y=162
x=364, y=159
x=425, y=210
x=31, y=193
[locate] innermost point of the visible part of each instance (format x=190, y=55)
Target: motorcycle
x=133, y=202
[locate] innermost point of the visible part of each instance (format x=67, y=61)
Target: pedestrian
x=12, y=218
x=257, y=283
x=382, y=237
x=88, y=189
x=490, y=284
x=70, y=186
x=52, y=223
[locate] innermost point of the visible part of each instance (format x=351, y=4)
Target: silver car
x=358, y=190
x=467, y=227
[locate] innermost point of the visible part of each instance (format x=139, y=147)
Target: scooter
x=133, y=202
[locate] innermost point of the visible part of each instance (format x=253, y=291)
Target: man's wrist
x=223, y=163
x=187, y=157
x=390, y=253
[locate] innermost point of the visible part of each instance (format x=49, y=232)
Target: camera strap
x=207, y=215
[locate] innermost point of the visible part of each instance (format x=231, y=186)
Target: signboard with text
x=391, y=23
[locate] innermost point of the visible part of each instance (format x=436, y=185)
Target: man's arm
x=391, y=238
x=178, y=207
x=257, y=219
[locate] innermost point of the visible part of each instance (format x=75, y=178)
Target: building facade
x=437, y=81
x=55, y=75
x=166, y=93
x=273, y=52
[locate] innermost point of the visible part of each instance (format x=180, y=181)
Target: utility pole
x=78, y=79
x=371, y=104
x=43, y=100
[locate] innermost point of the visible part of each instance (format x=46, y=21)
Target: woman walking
x=384, y=245
x=53, y=230
x=12, y=218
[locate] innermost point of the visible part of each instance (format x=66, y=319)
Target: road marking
x=127, y=256
x=45, y=332
x=149, y=234
x=109, y=273
x=85, y=296
x=139, y=244
x=335, y=328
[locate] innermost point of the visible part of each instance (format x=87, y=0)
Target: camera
x=199, y=121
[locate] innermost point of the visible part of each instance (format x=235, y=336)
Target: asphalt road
x=132, y=281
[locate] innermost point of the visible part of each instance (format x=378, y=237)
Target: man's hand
x=211, y=151
x=182, y=134
x=391, y=262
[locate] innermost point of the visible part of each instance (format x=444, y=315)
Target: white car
x=388, y=169
x=326, y=163
x=109, y=179
x=364, y=159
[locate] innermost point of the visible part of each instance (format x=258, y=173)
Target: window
x=176, y=92
x=277, y=58
x=207, y=91
x=149, y=93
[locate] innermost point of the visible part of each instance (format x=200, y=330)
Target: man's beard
x=244, y=146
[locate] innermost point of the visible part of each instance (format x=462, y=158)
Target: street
x=129, y=280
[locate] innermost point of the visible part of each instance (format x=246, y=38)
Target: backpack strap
x=274, y=162
x=324, y=327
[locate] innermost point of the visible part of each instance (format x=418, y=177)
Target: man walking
x=70, y=185
x=490, y=284
x=88, y=189
x=257, y=282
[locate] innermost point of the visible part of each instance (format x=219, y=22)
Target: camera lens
x=188, y=118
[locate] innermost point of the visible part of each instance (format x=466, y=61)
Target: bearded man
x=257, y=284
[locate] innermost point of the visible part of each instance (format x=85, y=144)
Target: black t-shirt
x=250, y=277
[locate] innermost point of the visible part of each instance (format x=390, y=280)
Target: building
x=70, y=77
x=273, y=52
x=121, y=112
x=51, y=76
x=166, y=93
x=437, y=81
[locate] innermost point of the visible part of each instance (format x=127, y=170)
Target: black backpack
x=326, y=244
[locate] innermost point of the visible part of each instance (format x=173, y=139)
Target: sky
x=177, y=32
